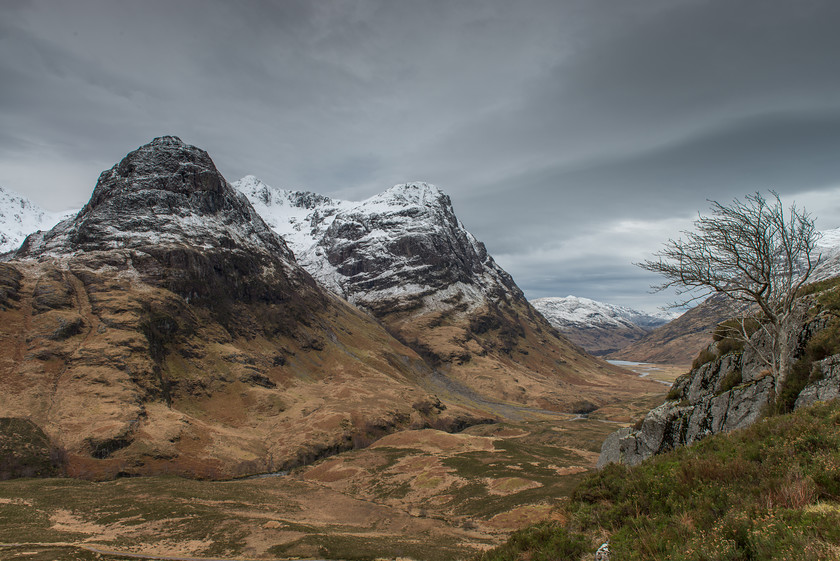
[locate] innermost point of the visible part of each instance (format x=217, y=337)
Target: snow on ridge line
x=578, y=311
x=291, y=212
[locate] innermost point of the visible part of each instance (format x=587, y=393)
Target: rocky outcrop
x=732, y=389
x=826, y=387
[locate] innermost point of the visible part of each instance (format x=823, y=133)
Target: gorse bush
x=771, y=491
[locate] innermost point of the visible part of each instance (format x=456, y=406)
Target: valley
x=421, y=494
x=376, y=387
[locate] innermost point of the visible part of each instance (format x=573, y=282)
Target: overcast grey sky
x=574, y=136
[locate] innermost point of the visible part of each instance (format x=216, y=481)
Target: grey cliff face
x=727, y=393
x=392, y=253
x=828, y=387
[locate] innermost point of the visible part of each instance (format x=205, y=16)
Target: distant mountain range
x=598, y=327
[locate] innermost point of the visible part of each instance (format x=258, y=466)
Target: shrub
x=767, y=492
x=704, y=357
x=546, y=541
x=730, y=381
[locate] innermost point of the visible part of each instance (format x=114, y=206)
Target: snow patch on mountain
x=20, y=217
x=573, y=311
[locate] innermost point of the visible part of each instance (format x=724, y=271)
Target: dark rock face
x=166, y=212
x=727, y=393
x=824, y=389
x=401, y=247
x=163, y=193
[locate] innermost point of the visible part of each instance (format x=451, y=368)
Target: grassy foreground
x=771, y=491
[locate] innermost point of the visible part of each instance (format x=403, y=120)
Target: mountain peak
x=164, y=164
x=417, y=193
x=165, y=193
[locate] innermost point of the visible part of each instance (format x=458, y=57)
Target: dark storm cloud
x=573, y=136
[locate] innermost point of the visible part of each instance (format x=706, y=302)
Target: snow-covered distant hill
x=19, y=217
x=598, y=327
x=829, y=248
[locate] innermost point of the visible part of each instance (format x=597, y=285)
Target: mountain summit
x=165, y=193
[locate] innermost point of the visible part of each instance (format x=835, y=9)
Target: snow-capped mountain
x=404, y=257
x=19, y=217
x=598, y=327
x=397, y=249
x=573, y=311
x=168, y=302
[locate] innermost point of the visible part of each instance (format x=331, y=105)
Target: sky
x=574, y=137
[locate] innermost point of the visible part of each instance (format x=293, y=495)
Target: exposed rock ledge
x=730, y=392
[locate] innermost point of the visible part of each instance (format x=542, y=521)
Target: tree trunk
x=783, y=354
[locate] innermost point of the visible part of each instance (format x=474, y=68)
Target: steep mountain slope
x=19, y=217
x=405, y=257
x=166, y=327
x=598, y=327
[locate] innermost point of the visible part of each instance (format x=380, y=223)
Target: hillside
x=168, y=328
x=766, y=492
x=598, y=327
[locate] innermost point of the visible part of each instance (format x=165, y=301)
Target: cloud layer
x=574, y=136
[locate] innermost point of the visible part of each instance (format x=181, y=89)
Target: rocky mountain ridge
x=598, y=327
x=167, y=327
x=380, y=252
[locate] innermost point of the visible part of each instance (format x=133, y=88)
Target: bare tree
x=753, y=252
